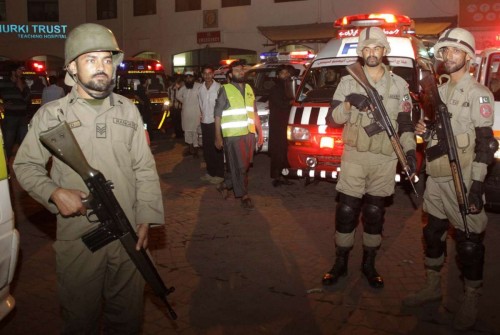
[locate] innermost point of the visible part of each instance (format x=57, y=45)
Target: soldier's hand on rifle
x=411, y=158
x=69, y=202
x=420, y=127
x=476, y=197
x=142, y=236
x=360, y=101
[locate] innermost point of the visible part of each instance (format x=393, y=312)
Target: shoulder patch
x=484, y=100
x=486, y=110
x=406, y=106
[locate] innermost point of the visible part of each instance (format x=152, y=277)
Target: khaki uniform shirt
x=470, y=105
x=113, y=142
x=359, y=148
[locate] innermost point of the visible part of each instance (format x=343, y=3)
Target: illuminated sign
x=35, y=31
x=205, y=37
x=355, y=32
x=140, y=71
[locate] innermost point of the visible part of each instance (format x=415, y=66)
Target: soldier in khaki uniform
x=471, y=110
x=108, y=128
x=368, y=164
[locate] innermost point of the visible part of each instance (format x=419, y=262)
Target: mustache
x=100, y=74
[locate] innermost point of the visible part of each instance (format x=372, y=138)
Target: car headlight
x=297, y=133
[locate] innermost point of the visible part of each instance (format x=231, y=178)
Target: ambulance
x=315, y=147
x=128, y=76
x=262, y=77
x=9, y=239
x=35, y=77
x=486, y=70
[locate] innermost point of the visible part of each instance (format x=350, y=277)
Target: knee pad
x=433, y=231
x=347, y=213
x=373, y=214
x=470, y=255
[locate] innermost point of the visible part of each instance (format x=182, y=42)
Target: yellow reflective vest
x=238, y=119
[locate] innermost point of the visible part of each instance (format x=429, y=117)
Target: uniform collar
x=110, y=100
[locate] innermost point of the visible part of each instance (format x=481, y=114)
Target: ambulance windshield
x=323, y=77
x=493, y=76
x=263, y=80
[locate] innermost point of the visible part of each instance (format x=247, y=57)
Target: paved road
x=239, y=272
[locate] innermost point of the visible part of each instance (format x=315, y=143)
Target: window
x=277, y=1
x=43, y=10
x=106, y=9
x=187, y=5
x=3, y=13
x=234, y=3
x=144, y=7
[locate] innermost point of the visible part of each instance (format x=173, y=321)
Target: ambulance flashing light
x=287, y=56
x=35, y=66
x=228, y=61
x=392, y=24
x=149, y=65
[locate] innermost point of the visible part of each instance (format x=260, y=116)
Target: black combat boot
x=339, y=269
x=368, y=268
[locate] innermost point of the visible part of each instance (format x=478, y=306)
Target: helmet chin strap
x=93, y=94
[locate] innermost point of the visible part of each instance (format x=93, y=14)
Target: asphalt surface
x=259, y=272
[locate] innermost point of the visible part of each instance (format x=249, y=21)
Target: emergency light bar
x=268, y=55
x=302, y=55
x=36, y=66
x=391, y=24
x=371, y=20
x=228, y=61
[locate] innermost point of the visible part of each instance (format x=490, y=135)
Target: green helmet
x=90, y=37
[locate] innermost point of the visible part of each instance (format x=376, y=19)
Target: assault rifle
x=103, y=203
x=441, y=126
x=382, y=121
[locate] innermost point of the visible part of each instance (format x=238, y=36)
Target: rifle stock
x=382, y=120
x=446, y=145
x=114, y=224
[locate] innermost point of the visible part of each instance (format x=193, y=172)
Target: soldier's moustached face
x=372, y=54
x=95, y=70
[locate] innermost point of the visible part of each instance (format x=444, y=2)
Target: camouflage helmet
x=90, y=37
x=456, y=38
x=372, y=35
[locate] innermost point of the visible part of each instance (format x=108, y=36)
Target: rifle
x=103, y=203
x=446, y=145
x=382, y=121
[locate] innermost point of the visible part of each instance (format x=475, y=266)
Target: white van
x=486, y=70
x=262, y=77
x=9, y=238
x=315, y=147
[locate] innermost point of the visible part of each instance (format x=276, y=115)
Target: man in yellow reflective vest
x=236, y=123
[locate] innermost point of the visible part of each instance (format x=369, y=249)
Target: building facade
x=186, y=34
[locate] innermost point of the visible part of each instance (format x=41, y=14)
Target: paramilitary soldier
x=108, y=128
x=368, y=163
x=470, y=106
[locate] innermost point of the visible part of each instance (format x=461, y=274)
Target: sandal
x=222, y=189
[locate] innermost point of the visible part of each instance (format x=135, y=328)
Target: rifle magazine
x=98, y=238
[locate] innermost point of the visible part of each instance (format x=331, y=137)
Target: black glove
x=411, y=158
x=476, y=197
x=360, y=101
